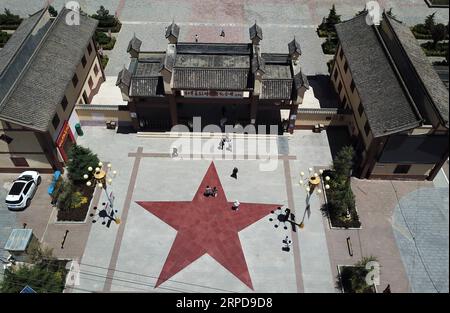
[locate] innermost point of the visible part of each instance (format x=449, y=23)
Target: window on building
x=339, y=87
x=352, y=85
x=367, y=128
x=55, y=121
x=85, y=97
x=96, y=70
x=402, y=169
x=90, y=82
x=360, y=109
x=345, y=67
x=19, y=161
x=344, y=101
x=341, y=54
x=89, y=48
x=64, y=103
x=6, y=138
x=75, y=80
x=335, y=73
x=83, y=61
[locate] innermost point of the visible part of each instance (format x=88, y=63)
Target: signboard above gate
x=214, y=94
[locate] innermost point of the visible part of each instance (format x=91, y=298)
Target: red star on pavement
x=207, y=225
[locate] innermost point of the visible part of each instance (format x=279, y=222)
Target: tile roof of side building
x=33, y=99
x=386, y=104
x=428, y=75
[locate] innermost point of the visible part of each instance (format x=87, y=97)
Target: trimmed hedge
x=440, y=50
x=104, y=60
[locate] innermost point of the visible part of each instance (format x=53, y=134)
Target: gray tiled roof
x=434, y=85
x=173, y=30
x=144, y=86
x=385, y=103
x=124, y=77
x=215, y=79
x=300, y=80
x=134, y=44
x=40, y=89
x=294, y=47
x=255, y=31
x=17, y=39
x=276, y=89
x=212, y=61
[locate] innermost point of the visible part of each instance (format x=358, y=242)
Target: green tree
x=358, y=279
x=80, y=158
x=52, y=11
x=438, y=33
x=42, y=278
x=333, y=18
x=430, y=23
x=343, y=163
x=103, y=13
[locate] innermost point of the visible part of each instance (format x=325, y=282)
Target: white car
x=22, y=190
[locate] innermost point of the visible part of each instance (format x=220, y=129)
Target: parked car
x=22, y=190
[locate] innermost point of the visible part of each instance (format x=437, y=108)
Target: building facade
x=46, y=68
x=399, y=104
x=223, y=83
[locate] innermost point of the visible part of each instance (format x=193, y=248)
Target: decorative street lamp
x=99, y=178
x=310, y=183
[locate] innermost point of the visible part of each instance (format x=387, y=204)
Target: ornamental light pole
x=310, y=183
x=101, y=179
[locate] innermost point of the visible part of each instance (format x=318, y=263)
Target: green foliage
x=341, y=202
x=330, y=45
x=10, y=19
x=4, y=37
x=106, y=42
x=429, y=23
x=102, y=38
x=43, y=278
x=104, y=60
x=440, y=50
x=353, y=279
x=52, y=11
x=343, y=163
x=80, y=159
x=38, y=253
x=327, y=25
x=105, y=19
x=438, y=33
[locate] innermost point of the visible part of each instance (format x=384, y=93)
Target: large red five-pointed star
x=207, y=225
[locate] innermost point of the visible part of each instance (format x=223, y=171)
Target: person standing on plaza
x=236, y=205
x=234, y=174
x=196, y=38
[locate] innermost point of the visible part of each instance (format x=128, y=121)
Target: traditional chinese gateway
x=223, y=83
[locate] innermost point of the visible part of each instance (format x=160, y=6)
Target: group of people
x=223, y=141
x=210, y=192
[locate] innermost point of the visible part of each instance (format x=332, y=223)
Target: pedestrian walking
x=196, y=38
x=208, y=191
x=174, y=152
x=222, y=33
x=221, y=144
x=214, y=191
x=236, y=205
x=235, y=172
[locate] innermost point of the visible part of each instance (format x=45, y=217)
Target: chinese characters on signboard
x=214, y=93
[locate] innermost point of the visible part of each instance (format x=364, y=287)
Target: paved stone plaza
x=137, y=254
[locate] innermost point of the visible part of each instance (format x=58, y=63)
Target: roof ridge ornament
x=255, y=33
x=173, y=32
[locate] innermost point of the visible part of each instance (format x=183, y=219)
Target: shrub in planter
x=104, y=60
x=110, y=45
x=105, y=20
x=101, y=38
x=330, y=45
x=80, y=158
x=353, y=278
